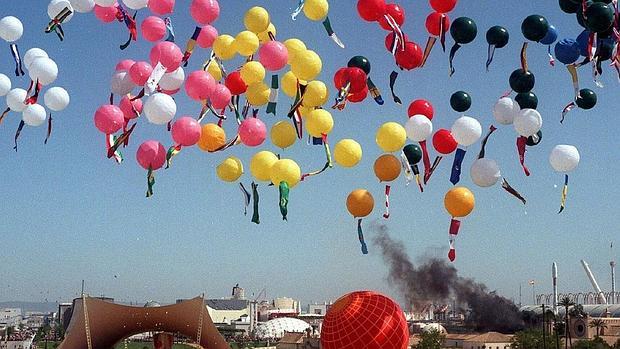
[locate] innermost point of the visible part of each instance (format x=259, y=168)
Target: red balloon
x=364, y=319
x=421, y=107
x=389, y=40
x=371, y=10
x=235, y=83
x=411, y=57
x=443, y=6
x=433, y=23
x=359, y=96
x=444, y=142
x=397, y=12
x=355, y=76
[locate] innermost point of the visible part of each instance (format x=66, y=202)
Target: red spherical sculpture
x=444, y=142
x=395, y=11
x=421, y=107
x=364, y=320
x=433, y=23
x=411, y=57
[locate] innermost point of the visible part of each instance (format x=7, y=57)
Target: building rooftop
x=227, y=304
x=292, y=338
x=490, y=337
x=596, y=310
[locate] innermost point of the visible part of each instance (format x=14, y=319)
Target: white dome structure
x=434, y=327
x=274, y=329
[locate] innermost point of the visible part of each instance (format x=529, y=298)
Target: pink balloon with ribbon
x=109, y=119
x=220, y=97
x=131, y=109
x=168, y=54
x=204, y=11
x=207, y=36
x=273, y=55
x=199, y=85
x=153, y=28
x=252, y=132
x=186, y=131
x=106, y=14
x=140, y=72
x=151, y=154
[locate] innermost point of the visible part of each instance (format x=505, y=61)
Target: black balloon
x=527, y=100
x=605, y=49
x=569, y=6
x=534, y=139
x=586, y=99
x=360, y=62
x=497, y=36
x=535, y=27
x=413, y=153
x=522, y=81
x=599, y=17
x=463, y=30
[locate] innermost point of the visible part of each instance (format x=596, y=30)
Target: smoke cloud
x=434, y=280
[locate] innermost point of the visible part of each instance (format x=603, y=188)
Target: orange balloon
x=387, y=167
x=360, y=203
x=212, y=137
x=459, y=201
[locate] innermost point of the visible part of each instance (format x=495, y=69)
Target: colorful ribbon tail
x=360, y=236
x=567, y=109
x=427, y=175
x=453, y=51
x=122, y=140
x=19, y=71
x=507, y=187
x=189, y=47
x=4, y=114
x=374, y=91
x=172, y=152
x=49, y=129
x=455, y=176
x=386, y=215
x=521, y=143
x=427, y=50
x=300, y=7
x=246, y=198
x=426, y=160
x=393, y=77
x=551, y=59
x=255, y=199
x=150, y=182
x=524, y=64
x=284, y=194
x=485, y=140
x=169, y=29
x=564, y=194
x=18, y=132
x=490, y=55
x=332, y=35
x=273, y=95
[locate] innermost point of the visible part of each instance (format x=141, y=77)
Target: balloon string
x=19, y=71
x=49, y=129
x=393, y=77
x=485, y=140
x=19, y=132
x=246, y=198
x=255, y=200
x=490, y=55
x=297, y=11
x=386, y=215
x=564, y=194
x=169, y=29
x=360, y=237
x=551, y=59
x=442, y=32
x=506, y=186
x=453, y=51
x=521, y=143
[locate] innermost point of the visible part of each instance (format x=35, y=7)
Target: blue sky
x=70, y=214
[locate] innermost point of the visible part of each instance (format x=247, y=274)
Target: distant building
x=296, y=340
x=276, y=328
x=225, y=311
x=318, y=309
x=10, y=317
x=489, y=340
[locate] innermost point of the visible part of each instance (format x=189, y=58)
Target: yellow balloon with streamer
x=258, y=94
x=307, y=65
x=316, y=10
x=230, y=169
x=256, y=19
x=294, y=46
x=246, y=43
x=283, y=134
x=347, y=153
x=224, y=47
x=316, y=94
x=289, y=84
x=215, y=71
x=252, y=72
x=264, y=37
x=212, y=138
x=391, y=137
x=285, y=170
x=261, y=163
x=319, y=122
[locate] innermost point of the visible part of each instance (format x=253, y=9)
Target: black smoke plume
x=435, y=281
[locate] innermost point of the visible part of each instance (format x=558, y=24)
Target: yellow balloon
x=215, y=71
x=294, y=46
x=224, y=47
x=289, y=84
x=459, y=201
x=246, y=43
x=319, y=122
x=256, y=19
x=230, y=169
x=347, y=153
x=285, y=170
x=252, y=72
x=260, y=165
x=307, y=65
x=283, y=134
x=391, y=137
x=212, y=137
x=258, y=94
x=304, y=111
x=264, y=37
x=316, y=94
x=316, y=10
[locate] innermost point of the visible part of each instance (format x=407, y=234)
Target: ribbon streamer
x=117, y=142
x=393, y=77
x=521, y=143
x=406, y=167
x=19, y=71
x=300, y=7
x=150, y=182
x=374, y=91
x=55, y=24
x=564, y=194
x=19, y=132
x=427, y=50
x=130, y=23
x=524, y=64
x=427, y=175
x=246, y=198
x=567, y=109
x=4, y=113
x=299, y=97
x=455, y=176
x=386, y=215
x=360, y=236
x=506, y=186
x=453, y=51
x=425, y=159
x=551, y=59
x=485, y=140
x=151, y=84
x=332, y=35
x=255, y=199
x=35, y=95
x=169, y=29
x=284, y=193
x=328, y=156
x=399, y=36
x=172, y=152
x=273, y=95
x=49, y=129
x=490, y=55
x=189, y=47
x=110, y=140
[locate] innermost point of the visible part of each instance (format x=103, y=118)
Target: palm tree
x=598, y=324
x=566, y=302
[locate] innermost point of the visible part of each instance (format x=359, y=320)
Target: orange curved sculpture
x=97, y=324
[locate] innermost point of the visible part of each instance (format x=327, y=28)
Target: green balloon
x=413, y=153
x=522, y=81
x=599, y=17
x=463, y=30
x=460, y=101
x=586, y=99
x=534, y=139
x=360, y=62
x=535, y=27
x=527, y=100
x=497, y=36
x=568, y=6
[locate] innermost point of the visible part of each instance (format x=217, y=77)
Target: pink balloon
x=140, y=72
x=153, y=28
x=168, y=54
x=109, y=119
x=220, y=97
x=207, y=36
x=273, y=55
x=161, y=7
x=204, y=11
x=131, y=109
x=252, y=132
x=125, y=64
x=186, y=131
x=199, y=85
x=106, y=14
x=151, y=154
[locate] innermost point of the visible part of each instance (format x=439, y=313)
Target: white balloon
x=466, y=130
x=83, y=6
x=43, y=69
x=5, y=85
x=56, y=6
x=485, y=172
x=528, y=122
x=418, y=128
x=11, y=29
x=56, y=98
x=33, y=54
x=34, y=115
x=505, y=110
x=172, y=81
x=15, y=99
x=121, y=83
x=160, y=108
x=136, y=4
x=105, y=3
x=564, y=158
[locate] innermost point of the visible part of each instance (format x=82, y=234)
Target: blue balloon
x=567, y=51
x=551, y=37
x=583, y=39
